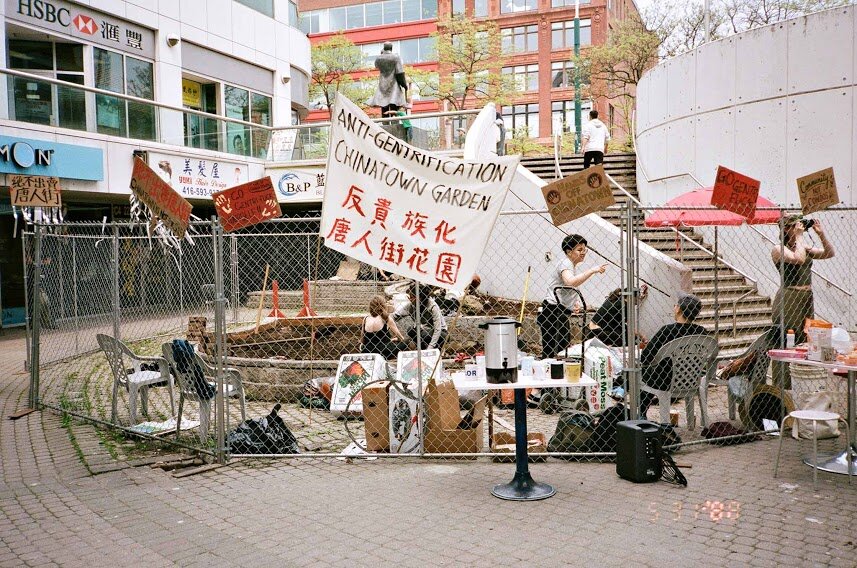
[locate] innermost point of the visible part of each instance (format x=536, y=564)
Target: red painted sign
x=164, y=202
x=246, y=204
x=735, y=192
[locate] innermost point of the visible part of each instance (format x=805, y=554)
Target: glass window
x=31, y=55
x=428, y=49
x=520, y=39
x=293, y=14
x=237, y=106
x=140, y=83
x=510, y=6
x=264, y=6
x=337, y=19
x=355, y=16
x=411, y=10
x=429, y=9
x=518, y=116
x=567, y=3
x=260, y=113
x=480, y=8
x=562, y=115
x=526, y=77
x=392, y=11
x=373, y=14
x=69, y=57
x=409, y=50
x=458, y=6
x=562, y=33
x=562, y=74
x=110, y=76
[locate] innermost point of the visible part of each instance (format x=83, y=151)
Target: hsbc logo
x=85, y=24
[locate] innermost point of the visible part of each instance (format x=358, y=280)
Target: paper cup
x=527, y=366
x=480, y=366
x=539, y=373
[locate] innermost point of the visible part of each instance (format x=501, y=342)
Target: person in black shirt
x=608, y=323
x=659, y=376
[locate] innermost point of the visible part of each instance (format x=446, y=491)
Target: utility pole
x=577, y=127
x=707, y=21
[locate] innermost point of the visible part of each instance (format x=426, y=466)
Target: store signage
x=34, y=191
x=246, y=204
x=44, y=158
x=162, y=200
x=84, y=23
x=191, y=94
x=197, y=178
x=735, y=192
x=817, y=191
x=298, y=185
x=577, y=195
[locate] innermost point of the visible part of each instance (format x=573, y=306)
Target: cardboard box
x=505, y=442
x=376, y=419
x=444, y=431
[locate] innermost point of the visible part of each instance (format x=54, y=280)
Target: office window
x=567, y=3
x=336, y=19
x=562, y=74
x=128, y=75
x=409, y=51
x=562, y=115
x=520, y=39
x=517, y=116
x=392, y=11
x=480, y=8
x=374, y=14
x=354, y=17
x=562, y=33
x=293, y=14
x=428, y=49
x=264, y=6
x=526, y=77
x=458, y=7
x=429, y=9
x=511, y=6
x=411, y=10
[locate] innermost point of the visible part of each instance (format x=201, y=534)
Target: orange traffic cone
x=306, y=311
x=275, y=300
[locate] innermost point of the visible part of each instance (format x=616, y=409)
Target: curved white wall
x=775, y=103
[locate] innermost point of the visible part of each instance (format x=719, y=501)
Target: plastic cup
x=527, y=366
x=572, y=372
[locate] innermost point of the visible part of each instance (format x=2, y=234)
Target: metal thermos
x=501, y=350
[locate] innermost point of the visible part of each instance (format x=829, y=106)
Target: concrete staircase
x=752, y=312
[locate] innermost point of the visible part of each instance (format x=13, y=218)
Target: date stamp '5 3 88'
x=716, y=511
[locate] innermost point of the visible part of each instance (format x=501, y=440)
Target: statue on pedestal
x=392, y=91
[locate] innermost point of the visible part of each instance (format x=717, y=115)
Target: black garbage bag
x=266, y=435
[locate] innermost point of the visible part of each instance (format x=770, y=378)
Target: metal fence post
x=234, y=284
x=37, y=316
x=74, y=294
x=115, y=282
x=632, y=373
x=219, y=331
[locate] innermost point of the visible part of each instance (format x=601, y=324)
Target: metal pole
x=233, y=272
x=115, y=296
x=716, y=288
x=219, y=327
x=181, y=285
x=707, y=21
x=27, y=259
x=37, y=305
x=418, y=325
x=631, y=371
x=74, y=294
x=578, y=130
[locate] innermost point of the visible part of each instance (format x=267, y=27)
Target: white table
x=836, y=463
x=522, y=487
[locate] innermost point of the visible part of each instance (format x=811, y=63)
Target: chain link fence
x=265, y=342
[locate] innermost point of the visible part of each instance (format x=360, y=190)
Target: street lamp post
x=577, y=127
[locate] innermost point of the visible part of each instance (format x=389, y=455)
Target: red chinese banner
x=164, y=202
x=246, y=204
x=735, y=192
x=405, y=210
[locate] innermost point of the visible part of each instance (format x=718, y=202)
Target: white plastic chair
x=815, y=416
x=692, y=359
x=232, y=386
x=135, y=379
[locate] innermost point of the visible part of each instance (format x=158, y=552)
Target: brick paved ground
x=408, y=513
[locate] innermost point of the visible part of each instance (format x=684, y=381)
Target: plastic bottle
x=790, y=339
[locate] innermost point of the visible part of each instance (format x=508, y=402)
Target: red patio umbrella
x=694, y=209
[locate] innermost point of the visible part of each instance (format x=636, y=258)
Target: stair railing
x=557, y=150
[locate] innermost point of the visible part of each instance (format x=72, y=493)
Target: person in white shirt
x=595, y=139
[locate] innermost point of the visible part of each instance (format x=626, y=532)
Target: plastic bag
x=266, y=435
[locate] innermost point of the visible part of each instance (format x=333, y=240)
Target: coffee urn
x=501, y=350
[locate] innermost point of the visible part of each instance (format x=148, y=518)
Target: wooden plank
x=21, y=413
x=196, y=470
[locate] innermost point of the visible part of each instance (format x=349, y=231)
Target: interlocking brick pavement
x=326, y=512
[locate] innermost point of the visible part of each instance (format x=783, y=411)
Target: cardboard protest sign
x=34, y=191
x=164, y=202
x=577, y=195
x=246, y=204
x=735, y=192
x=817, y=191
x=404, y=210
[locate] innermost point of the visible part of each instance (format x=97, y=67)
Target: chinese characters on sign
x=735, y=192
x=164, y=202
x=404, y=210
x=246, y=204
x=817, y=191
x=577, y=195
x=34, y=191
x=198, y=178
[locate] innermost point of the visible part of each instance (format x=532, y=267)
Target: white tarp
x=404, y=210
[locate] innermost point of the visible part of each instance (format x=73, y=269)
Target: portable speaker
x=638, y=451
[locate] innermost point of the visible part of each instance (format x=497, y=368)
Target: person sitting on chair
x=659, y=376
x=431, y=325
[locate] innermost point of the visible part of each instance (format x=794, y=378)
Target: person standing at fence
x=431, y=325
x=793, y=304
x=553, y=317
x=379, y=333
x=595, y=139
x=659, y=376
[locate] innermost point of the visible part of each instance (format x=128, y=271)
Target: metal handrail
x=557, y=148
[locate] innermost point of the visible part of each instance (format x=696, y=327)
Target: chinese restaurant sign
x=164, y=202
x=817, y=191
x=404, y=210
x=246, y=204
x=577, y=195
x=735, y=192
x=34, y=191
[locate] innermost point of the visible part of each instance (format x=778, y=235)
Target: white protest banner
x=403, y=209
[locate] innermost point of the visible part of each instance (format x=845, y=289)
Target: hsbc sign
x=85, y=24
